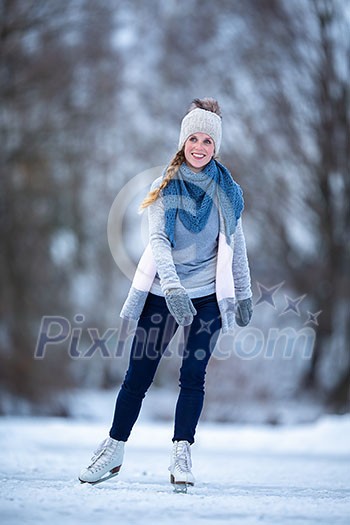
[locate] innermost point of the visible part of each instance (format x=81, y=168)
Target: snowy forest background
x=92, y=94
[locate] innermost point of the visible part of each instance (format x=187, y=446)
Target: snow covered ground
x=245, y=475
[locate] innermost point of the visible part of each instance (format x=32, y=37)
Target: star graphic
x=293, y=304
x=312, y=318
x=205, y=326
x=266, y=294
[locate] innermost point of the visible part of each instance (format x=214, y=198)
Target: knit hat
x=201, y=121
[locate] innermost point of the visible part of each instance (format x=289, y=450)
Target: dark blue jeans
x=155, y=329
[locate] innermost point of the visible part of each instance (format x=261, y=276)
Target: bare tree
x=330, y=201
x=57, y=89
x=299, y=122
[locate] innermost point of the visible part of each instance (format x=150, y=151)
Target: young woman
x=193, y=273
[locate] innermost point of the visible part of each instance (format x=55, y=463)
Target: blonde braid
x=172, y=169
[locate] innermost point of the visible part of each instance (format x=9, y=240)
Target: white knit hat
x=201, y=121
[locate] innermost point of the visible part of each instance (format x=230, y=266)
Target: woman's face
x=199, y=150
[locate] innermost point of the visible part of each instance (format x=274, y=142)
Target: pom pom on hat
x=201, y=121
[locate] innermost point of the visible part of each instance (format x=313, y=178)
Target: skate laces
x=101, y=447
x=182, y=456
x=106, y=449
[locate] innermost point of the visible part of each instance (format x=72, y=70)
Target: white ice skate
x=105, y=463
x=180, y=469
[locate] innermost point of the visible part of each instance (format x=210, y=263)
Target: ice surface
x=245, y=474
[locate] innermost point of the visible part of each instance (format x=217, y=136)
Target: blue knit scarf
x=193, y=202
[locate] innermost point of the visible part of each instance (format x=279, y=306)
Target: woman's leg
x=200, y=340
x=154, y=331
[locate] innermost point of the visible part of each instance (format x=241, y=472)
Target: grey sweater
x=192, y=262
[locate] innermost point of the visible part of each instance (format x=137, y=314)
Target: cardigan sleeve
x=240, y=265
x=160, y=245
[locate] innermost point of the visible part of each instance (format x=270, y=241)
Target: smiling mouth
x=198, y=156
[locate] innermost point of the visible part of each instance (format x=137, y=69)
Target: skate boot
x=105, y=463
x=180, y=469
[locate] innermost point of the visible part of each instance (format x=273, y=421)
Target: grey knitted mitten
x=180, y=306
x=244, y=312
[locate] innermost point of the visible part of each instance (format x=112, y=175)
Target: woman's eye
x=207, y=141
x=193, y=139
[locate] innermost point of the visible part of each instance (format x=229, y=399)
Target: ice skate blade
x=181, y=488
x=112, y=473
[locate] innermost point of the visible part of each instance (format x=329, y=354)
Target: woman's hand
x=180, y=306
x=244, y=312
